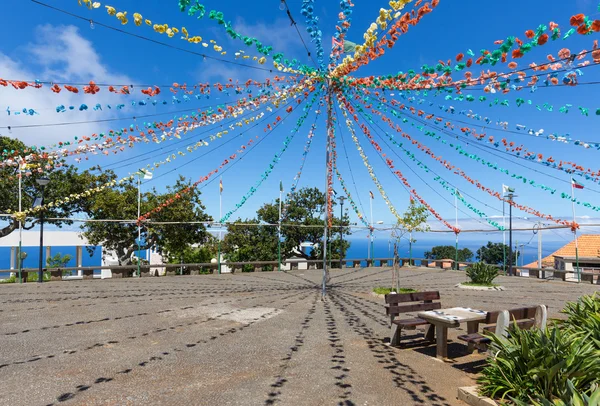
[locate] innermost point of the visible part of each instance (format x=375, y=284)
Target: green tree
x=58, y=260
x=249, y=240
x=414, y=220
x=121, y=203
x=64, y=181
x=449, y=252
x=303, y=222
x=493, y=253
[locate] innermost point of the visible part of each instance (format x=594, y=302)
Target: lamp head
x=42, y=181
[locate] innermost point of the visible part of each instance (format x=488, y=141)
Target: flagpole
x=456, y=226
x=279, y=227
x=19, y=260
x=575, y=231
x=371, y=230
x=220, y=225
x=503, y=233
x=139, y=225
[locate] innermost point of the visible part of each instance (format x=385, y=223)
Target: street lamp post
x=510, y=248
x=42, y=182
x=341, y=199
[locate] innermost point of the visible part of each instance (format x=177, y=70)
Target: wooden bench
x=399, y=303
x=500, y=323
x=589, y=277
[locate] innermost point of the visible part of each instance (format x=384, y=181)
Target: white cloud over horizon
x=59, y=53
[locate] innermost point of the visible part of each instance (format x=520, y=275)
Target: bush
x=573, y=397
x=385, y=291
x=532, y=364
x=584, y=317
x=557, y=366
x=482, y=274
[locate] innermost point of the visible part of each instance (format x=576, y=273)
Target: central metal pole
x=329, y=99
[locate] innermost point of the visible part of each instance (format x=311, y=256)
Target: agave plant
x=573, y=398
x=481, y=273
x=584, y=317
x=535, y=364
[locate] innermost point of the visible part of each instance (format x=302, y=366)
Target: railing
x=123, y=271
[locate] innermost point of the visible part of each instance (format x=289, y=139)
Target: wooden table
x=443, y=319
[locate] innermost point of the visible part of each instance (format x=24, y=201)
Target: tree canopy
x=493, y=253
x=449, y=252
x=120, y=203
x=303, y=222
x=64, y=180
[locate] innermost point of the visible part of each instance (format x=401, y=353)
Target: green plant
x=532, y=364
x=384, y=291
x=572, y=398
x=584, y=318
x=59, y=261
x=12, y=279
x=482, y=274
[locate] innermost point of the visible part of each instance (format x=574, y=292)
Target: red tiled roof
x=588, y=246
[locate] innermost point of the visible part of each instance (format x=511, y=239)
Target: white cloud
x=60, y=53
x=278, y=34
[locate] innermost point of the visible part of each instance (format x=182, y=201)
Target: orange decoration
x=577, y=19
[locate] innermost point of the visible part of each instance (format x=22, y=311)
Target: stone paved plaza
x=243, y=339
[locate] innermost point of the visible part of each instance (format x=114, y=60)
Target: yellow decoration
x=370, y=36
x=159, y=28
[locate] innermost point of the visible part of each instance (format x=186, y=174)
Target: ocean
x=359, y=249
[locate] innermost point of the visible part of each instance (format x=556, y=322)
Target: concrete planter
x=468, y=287
x=469, y=395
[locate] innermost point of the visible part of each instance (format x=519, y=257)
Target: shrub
x=557, y=366
x=482, y=274
x=532, y=364
x=573, y=397
x=385, y=291
x=584, y=318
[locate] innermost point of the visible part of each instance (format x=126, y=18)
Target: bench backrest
x=523, y=318
x=521, y=313
x=411, y=302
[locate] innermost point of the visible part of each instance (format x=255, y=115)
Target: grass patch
x=486, y=285
x=385, y=291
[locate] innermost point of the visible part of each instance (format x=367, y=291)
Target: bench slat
x=393, y=310
x=515, y=314
x=474, y=338
x=394, y=298
x=411, y=322
x=522, y=324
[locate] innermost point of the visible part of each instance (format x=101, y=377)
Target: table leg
x=430, y=333
x=441, y=333
x=472, y=327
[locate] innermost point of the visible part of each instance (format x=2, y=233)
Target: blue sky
x=44, y=44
